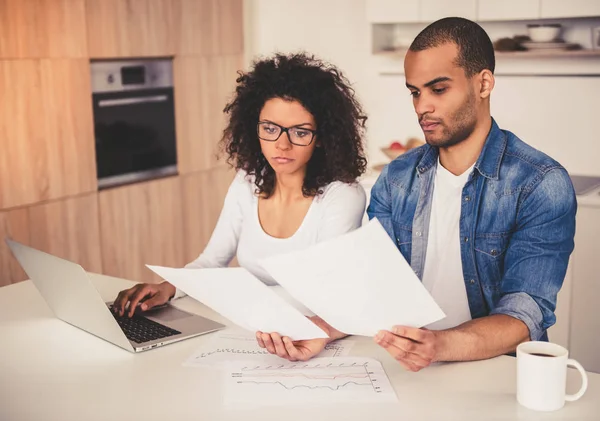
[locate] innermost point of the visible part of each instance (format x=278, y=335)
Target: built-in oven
x=134, y=120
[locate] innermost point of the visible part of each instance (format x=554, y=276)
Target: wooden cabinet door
x=22, y=161
x=209, y=27
x=46, y=130
x=42, y=28
x=569, y=9
x=141, y=224
x=432, y=10
x=131, y=28
x=494, y=10
x=203, y=86
x=68, y=228
x=68, y=137
x=392, y=11
x=203, y=196
x=14, y=224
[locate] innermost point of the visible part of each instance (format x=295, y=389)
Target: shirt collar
x=488, y=163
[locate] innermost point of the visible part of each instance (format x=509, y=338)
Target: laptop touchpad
x=166, y=314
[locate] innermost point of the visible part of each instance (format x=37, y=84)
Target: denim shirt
x=517, y=225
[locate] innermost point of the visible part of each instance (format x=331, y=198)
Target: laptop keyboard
x=140, y=329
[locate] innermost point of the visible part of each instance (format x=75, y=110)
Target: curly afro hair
x=325, y=93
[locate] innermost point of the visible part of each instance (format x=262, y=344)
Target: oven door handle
x=129, y=101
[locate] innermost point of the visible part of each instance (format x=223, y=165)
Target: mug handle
x=584, y=380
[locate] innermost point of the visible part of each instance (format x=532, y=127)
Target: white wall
x=554, y=114
x=334, y=30
x=557, y=115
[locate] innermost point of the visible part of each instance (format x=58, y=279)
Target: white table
x=50, y=370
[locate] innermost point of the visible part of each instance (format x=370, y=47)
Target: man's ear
x=486, y=84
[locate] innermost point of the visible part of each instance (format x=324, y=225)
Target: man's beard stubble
x=465, y=119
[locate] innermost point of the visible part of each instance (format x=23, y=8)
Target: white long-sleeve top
x=338, y=210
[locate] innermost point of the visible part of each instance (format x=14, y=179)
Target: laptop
x=70, y=293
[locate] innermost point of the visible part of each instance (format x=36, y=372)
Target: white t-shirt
x=338, y=210
x=443, y=275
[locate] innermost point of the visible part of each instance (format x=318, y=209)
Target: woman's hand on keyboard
x=144, y=295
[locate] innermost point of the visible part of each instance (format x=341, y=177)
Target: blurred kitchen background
x=111, y=110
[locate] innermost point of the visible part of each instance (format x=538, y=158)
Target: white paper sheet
x=358, y=282
x=236, y=345
x=320, y=380
x=237, y=295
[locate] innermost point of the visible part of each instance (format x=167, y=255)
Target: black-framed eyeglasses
x=297, y=135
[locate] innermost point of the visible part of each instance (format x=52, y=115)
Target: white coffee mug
x=542, y=376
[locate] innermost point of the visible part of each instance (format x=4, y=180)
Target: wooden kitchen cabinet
x=22, y=163
x=68, y=137
x=46, y=131
x=210, y=27
x=432, y=10
x=68, y=228
x=141, y=224
x=494, y=10
x=392, y=11
x=203, y=86
x=569, y=9
x=132, y=28
x=14, y=224
x=42, y=29
x=203, y=196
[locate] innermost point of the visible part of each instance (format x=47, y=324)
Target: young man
x=486, y=221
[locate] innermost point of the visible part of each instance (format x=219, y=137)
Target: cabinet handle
x=129, y=101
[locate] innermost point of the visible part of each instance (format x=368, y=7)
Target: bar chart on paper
x=325, y=380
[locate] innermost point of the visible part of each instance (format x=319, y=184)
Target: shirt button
x=467, y=198
x=421, y=169
x=494, y=252
x=472, y=281
x=466, y=239
x=398, y=240
x=418, y=233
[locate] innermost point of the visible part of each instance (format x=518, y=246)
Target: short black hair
x=323, y=90
x=475, y=48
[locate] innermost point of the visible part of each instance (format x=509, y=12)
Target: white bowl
x=543, y=33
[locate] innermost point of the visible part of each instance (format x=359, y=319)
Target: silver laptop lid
x=69, y=293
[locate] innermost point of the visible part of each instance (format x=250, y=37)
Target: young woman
x=295, y=138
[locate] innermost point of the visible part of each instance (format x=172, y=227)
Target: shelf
x=515, y=54
x=514, y=63
x=549, y=53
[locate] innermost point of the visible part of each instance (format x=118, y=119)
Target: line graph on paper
x=318, y=380
x=232, y=345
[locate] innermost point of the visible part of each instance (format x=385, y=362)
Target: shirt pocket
x=403, y=239
x=490, y=252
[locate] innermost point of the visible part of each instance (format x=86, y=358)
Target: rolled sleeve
x=522, y=307
x=538, y=254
